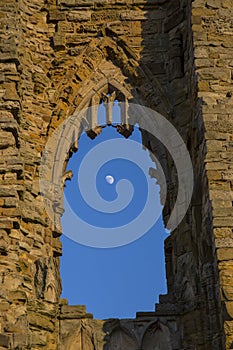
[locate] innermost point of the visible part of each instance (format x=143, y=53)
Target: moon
x=110, y=179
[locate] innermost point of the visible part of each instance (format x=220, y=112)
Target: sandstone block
x=10, y=202
x=215, y=74
x=213, y=4
x=228, y=327
x=224, y=242
x=225, y=254
x=17, y=296
x=74, y=312
x=10, y=92
x=6, y=139
x=227, y=175
x=227, y=4
x=227, y=292
x=223, y=222
x=79, y=16
x=67, y=2
x=229, y=308
x=56, y=15
x=133, y=15
x=59, y=41
x=41, y=322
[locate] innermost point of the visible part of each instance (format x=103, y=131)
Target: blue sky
x=112, y=282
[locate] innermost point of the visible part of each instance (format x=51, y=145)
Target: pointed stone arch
x=156, y=337
x=121, y=339
x=83, y=335
x=90, y=95
x=89, y=67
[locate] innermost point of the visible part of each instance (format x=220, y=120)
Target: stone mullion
x=124, y=105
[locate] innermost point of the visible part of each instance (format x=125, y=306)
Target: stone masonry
x=174, y=56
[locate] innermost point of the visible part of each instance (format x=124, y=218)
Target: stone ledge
x=74, y=312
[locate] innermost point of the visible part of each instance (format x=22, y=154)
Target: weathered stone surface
x=229, y=308
x=4, y=341
x=79, y=16
x=41, y=322
x=172, y=56
x=74, y=312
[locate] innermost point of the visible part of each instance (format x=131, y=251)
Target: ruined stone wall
x=173, y=56
x=213, y=43
x=30, y=282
